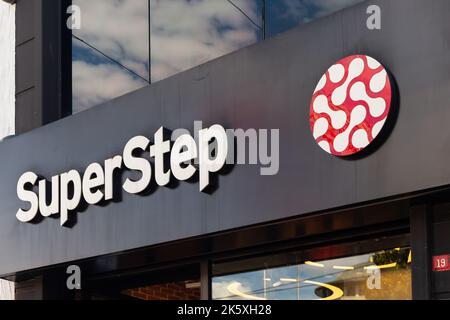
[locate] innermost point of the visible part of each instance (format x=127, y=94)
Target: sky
x=184, y=34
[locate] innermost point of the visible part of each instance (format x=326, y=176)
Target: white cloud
x=94, y=84
x=184, y=33
x=119, y=28
x=188, y=33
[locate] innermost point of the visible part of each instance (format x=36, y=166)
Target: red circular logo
x=350, y=106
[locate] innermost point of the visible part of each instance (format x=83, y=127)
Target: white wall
x=6, y=290
x=7, y=69
x=7, y=88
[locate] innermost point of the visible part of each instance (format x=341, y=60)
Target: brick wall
x=169, y=291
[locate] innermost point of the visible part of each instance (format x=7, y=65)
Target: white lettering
x=158, y=151
x=111, y=165
x=183, y=152
x=93, y=178
x=136, y=163
x=69, y=201
x=97, y=183
x=28, y=178
x=208, y=164
x=53, y=208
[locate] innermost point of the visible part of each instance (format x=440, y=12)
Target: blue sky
x=185, y=33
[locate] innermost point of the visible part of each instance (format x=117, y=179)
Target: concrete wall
x=6, y=290
x=7, y=69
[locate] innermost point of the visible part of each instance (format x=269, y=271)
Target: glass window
x=123, y=45
x=282, y=15
x=384, y=274
x=110, y=51
x=97, y=79
x=187, y=33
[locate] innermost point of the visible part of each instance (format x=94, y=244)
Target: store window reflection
x=382, y=275
x=185, y=33
x=110, y=52
x=96, y=79
x=123, y=45
x=282, y=15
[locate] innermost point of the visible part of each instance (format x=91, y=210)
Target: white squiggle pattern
x=342, y=140
x=378, y=82
x=325, y=146
x=320, y=127
x=377, y=128
x=340, y=94
x=338, y=118
x=360, y=139
x=350, y=105
x=373, y=64
x=337, y=73
x=358, y=93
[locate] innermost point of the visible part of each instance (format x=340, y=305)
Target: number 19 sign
x=441, y=263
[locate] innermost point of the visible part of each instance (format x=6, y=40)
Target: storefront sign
x=350, y=105
x=441, y=263
x=96, y=184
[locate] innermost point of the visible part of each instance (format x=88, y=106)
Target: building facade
x=96, y=81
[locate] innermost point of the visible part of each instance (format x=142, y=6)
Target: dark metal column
x=43, y=63
x=421, y=255
x=205, y=280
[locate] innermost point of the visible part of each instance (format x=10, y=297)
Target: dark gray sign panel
x=266, y=86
